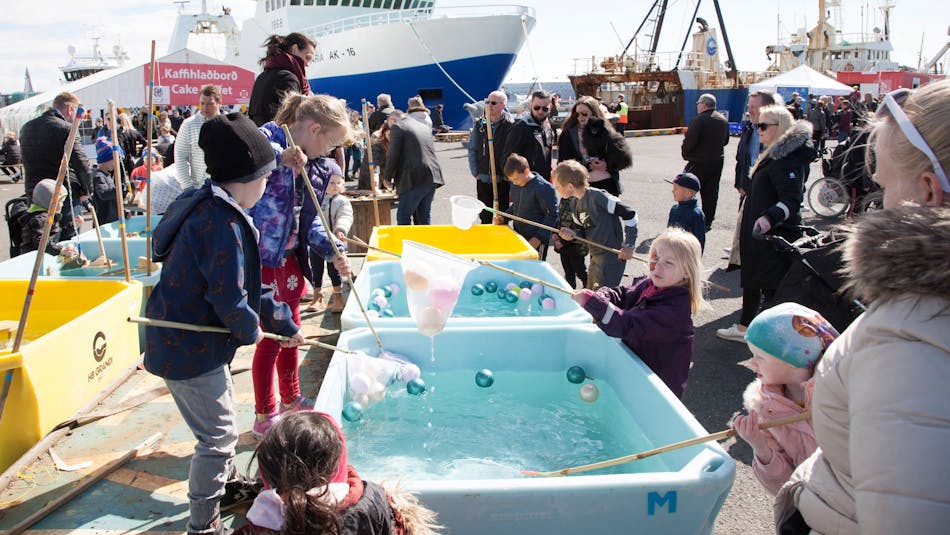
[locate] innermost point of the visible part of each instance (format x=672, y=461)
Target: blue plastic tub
x=112, y=239
x=471, y=309
x=683, y=496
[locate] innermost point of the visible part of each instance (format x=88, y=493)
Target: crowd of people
x=241, y=234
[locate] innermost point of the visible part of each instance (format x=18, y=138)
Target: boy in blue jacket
x=211, y=275
x=532, y=198
x=686, y=213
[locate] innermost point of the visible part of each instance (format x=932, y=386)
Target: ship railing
x=661, y=61
x=413, y=15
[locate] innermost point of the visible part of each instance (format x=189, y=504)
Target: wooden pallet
x=448, y=137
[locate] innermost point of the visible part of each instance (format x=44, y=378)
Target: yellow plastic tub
x=76, y=342
x=482, y=242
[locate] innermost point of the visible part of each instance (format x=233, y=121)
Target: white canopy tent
x=805, y=77
x=125, y=86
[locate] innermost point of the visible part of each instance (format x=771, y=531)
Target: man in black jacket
x=413, y=168
x=478, y=156
x=702, y=149
x=42, y=141
x=532, y=137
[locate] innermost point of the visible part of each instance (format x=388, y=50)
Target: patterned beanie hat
x=104, y=150
x=791, y=332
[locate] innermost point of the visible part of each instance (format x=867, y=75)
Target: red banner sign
x=178, y=84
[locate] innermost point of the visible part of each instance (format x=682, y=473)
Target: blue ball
x=542, y=297
x=511, y=296
x=388, y=313
x=387, y=292
x=478, y=289
x=502, y=293
x=526, y=284
x=372, y=306
x=352, y=411
x=484, y=378
x=416, y=386
x=576, y=375
x=377, y=291
x=491, y=287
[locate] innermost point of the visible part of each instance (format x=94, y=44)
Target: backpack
x=14, y=210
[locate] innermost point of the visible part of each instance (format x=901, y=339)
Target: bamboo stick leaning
x=102, y=245
x=117, y=178
x=329, y=230
x=148, y=166
x=491, y=157
x=722, y=435
x=373, y=176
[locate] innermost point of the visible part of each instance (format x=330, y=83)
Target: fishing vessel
x=449, y=55
x=81, y=65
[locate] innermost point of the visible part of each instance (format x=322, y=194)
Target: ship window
x=331, y=2
x=344, y=3
x=308, y=2
x=295, y=2
x=321, y=2
x=388, y=4
x=397, y=4
x=377, y=4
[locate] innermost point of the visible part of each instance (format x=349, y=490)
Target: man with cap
x=686, y=214
x=212, y=276
x=41, y=146
x=702, y=149
x=103, y=183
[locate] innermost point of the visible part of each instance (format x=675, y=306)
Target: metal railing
x=413, y=15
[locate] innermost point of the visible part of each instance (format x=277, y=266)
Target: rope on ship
x=527, y=44
x=437, y=64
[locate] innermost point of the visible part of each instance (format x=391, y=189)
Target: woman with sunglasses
x=588, y=137
x=880, y=408
x=772, y=206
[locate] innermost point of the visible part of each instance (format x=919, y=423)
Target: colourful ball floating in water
x=381, y=301
x=542, y=298
x=394, y=288
x=388, y=313
x=373, y=306
x=511, y=286
x=416, y=386
x=589, y=392
x=525, y=284
x=576, y=375
x=491, y=287
x=511, y=296
x=387, y=292
x=377, y=292
x=548, y=303
x=484, y=378
x=502, y=293
x=537, y=289
x=352, y=411
x=478, y=289
x=524, y=294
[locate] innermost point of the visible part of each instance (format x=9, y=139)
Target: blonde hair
x=328, y=112
x=928, y=110
x=779, y=115
x=571, y=172
x=125, y=121
x=688, y=255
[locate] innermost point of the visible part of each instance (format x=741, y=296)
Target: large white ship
x=449, y=56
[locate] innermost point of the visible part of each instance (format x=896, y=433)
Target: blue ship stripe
x=478, y=75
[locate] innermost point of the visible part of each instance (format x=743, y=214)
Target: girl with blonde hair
x=653, y=315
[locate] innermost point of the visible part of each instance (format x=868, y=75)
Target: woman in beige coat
x=881, y=411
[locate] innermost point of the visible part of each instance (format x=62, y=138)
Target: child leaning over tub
x=786, y=341
x=340, y=214
x=532, y=198
x=653, y=315
x=314, y=490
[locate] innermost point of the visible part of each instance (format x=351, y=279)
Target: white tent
x=127, y=87
x=806, y=78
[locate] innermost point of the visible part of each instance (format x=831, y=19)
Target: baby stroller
x=847, y=185
x=14, y=210
x=813, y=280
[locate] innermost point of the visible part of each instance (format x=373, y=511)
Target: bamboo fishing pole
x=373, y=177
x=337, y=253
x=102, y=245
x=117, y=178
x=722, y=435
x=41, y=248
x=485, y=263
x=491, y=157
x=151, y=322
x=148, y=166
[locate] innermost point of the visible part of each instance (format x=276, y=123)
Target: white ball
x=360, y=383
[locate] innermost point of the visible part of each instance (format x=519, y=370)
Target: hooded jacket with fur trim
x=776, y=193
x=881, y=412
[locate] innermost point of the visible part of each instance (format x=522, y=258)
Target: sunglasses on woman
x=765, y=126
x=894, y=102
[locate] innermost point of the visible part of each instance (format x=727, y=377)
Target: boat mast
x=731, y=63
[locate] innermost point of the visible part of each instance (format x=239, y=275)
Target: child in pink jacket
x=787, y=341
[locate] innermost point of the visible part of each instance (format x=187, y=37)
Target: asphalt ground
x=717, y=379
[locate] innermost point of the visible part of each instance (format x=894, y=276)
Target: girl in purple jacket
x=653, y=315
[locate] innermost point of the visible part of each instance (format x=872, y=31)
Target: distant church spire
x=27, y=82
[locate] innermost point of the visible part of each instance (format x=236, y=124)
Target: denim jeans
x=416, y=204
x=206, y=403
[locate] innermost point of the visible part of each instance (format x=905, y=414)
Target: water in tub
x=525, y=420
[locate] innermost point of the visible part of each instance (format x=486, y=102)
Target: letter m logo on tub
x=655, y=500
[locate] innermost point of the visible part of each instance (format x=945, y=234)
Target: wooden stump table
x=364, y=218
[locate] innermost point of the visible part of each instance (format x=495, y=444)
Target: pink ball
x=394, y=288
x=443, y=295
x=524, y=294
x=381, y=302
x=548, y=304
x=537, y=289
x=511, y=286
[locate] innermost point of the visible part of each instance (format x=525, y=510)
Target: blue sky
x=37, y=34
